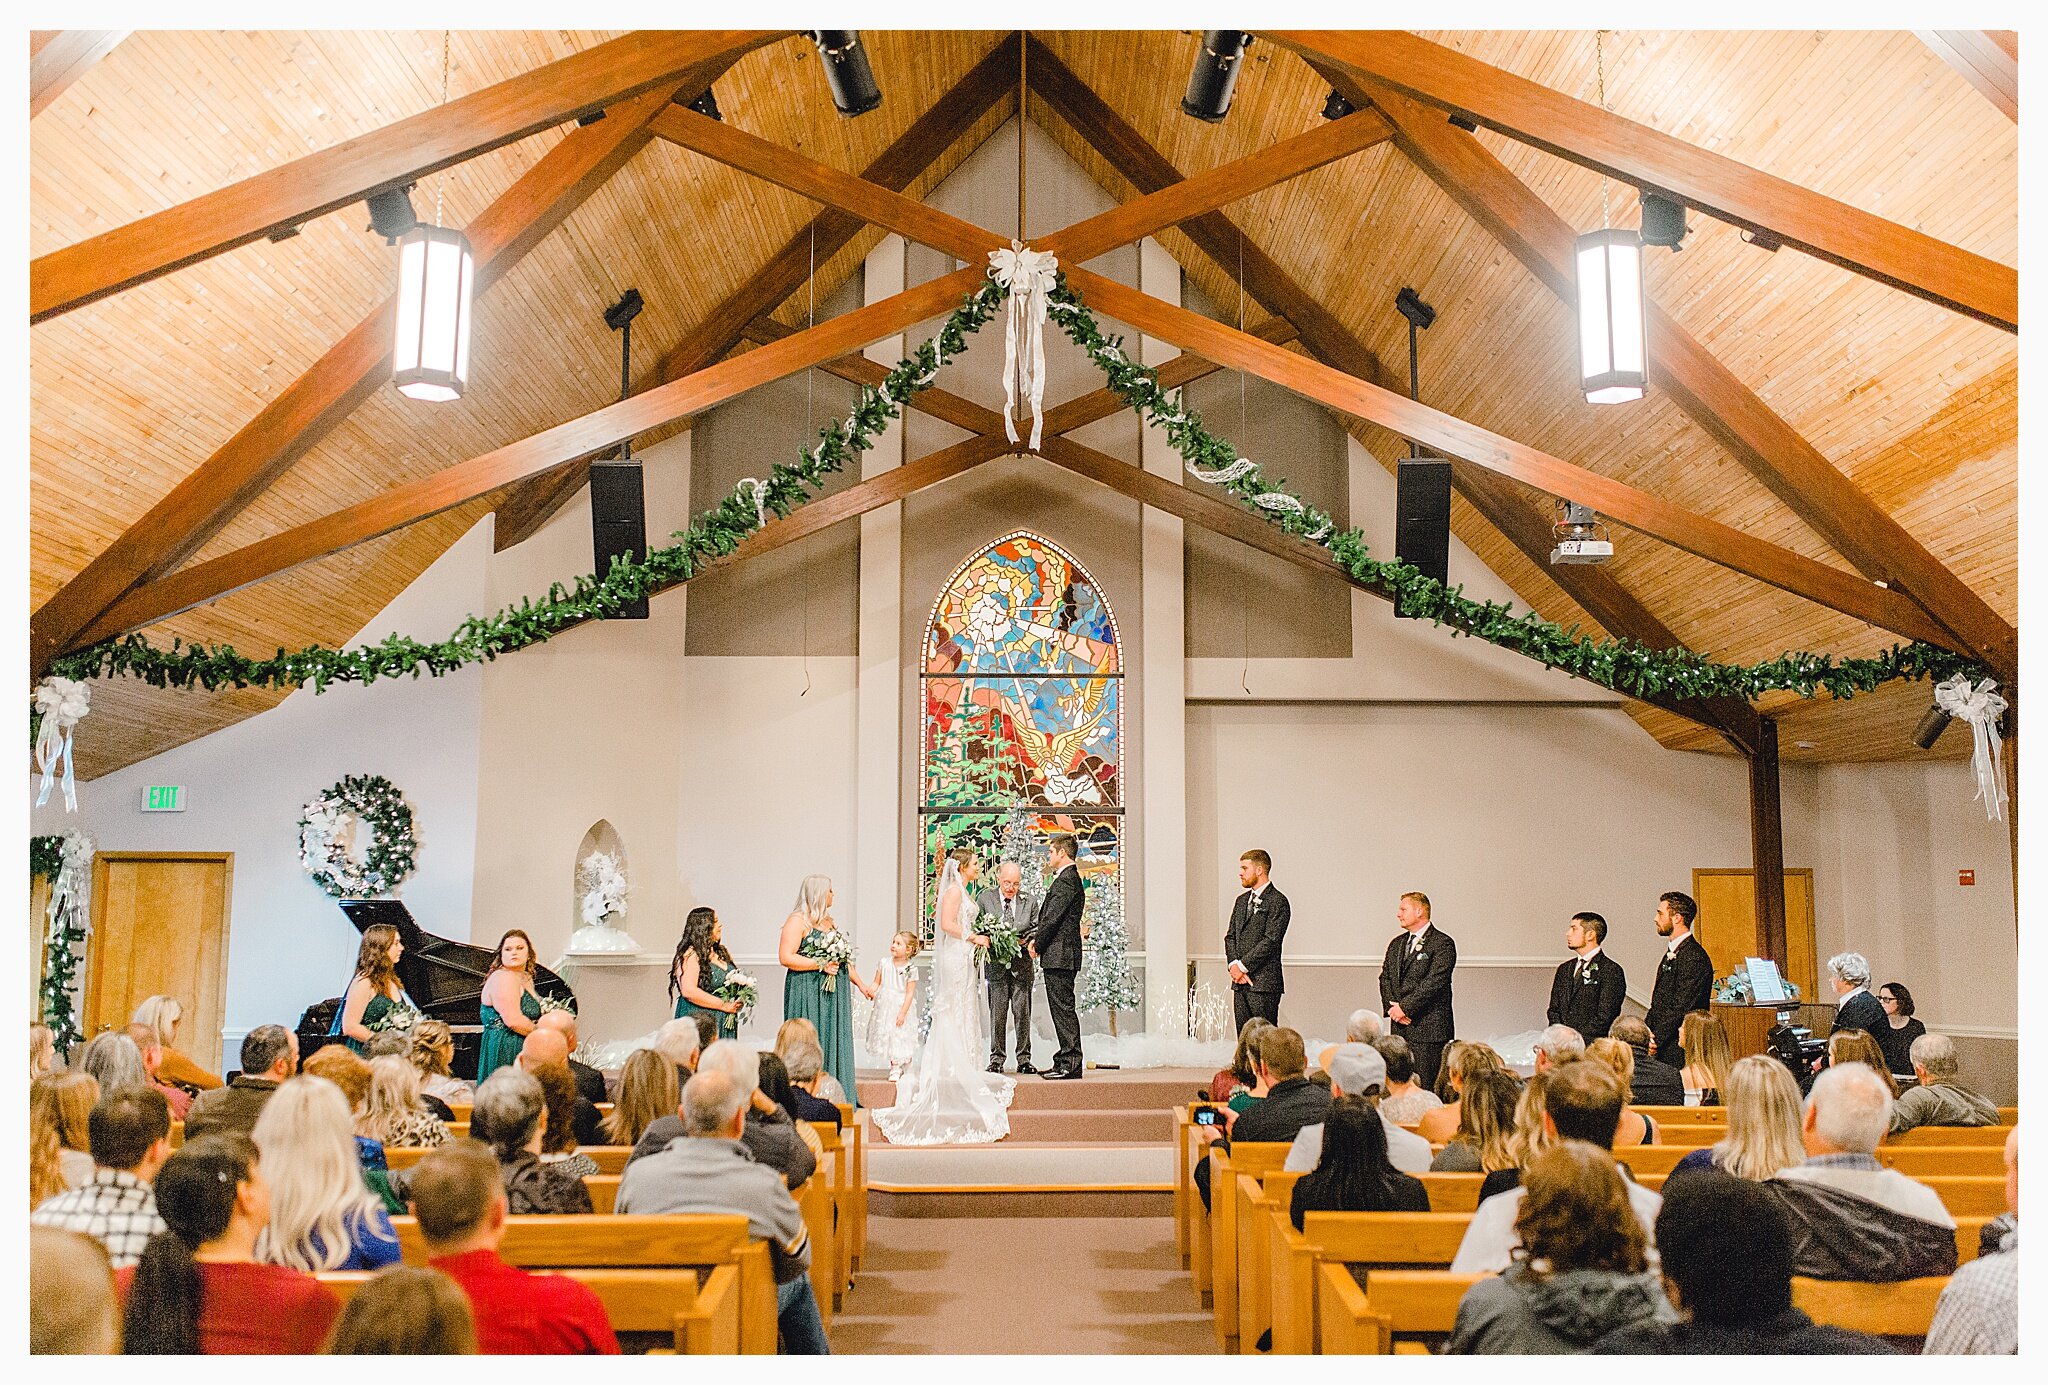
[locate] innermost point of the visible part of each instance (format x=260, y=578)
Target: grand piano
x=442, y=976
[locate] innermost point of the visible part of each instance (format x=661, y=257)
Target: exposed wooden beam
x=393, y=156
x=1767, y=845
x=578, y=438
x=1585, y=135
x=528, y=506
x=1831, y=504
x=352, y=370
x=1988, y=59
x=1454, y=437
x=59, y=57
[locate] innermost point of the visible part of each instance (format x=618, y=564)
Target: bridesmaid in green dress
x=804, y=995
x=374, y=991
x=509, y=1006
x=699, y=969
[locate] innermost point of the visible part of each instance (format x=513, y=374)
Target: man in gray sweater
x=711, y=1171
x=770, y=1135
x=1940, y=1099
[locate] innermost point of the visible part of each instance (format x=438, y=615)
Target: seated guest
x=60, y=1133
x=145, y=1041
x=1707, y=1058
x=1461, y=1059
x=781, y=1092
x=160, y=1015
x=510, y=1116
x=347, y=1070
x=1636, y=1128
x=322, y=1214
x=1406, y=1098
x=1708, y=1225
x=130, y=1134
x=1941, y=1098
x=1860, y=1046
x=589, y=1081
x=1364, y=1027
x=1580, y=1272
x=1560, y=1043
x=828, y=1085
x=1582, y=1101
x=1359, y=1071
x=805, y=1061
x=1486, y=1125
x=1900, y=1028
x=1855, y=1006
x=42, y=1052
x=710, y=1170
x=1763, y=1124
x=1656, y=1082
x=201, y=1288
x=1242, y=1073
x=558, y=1144
x=407, y=1312
x=1352, y=1172
x=707, y=1029
x=545, y=1045
x=1851, y=1217
x=1291, y=1101
x=114, y=1061
x=433, y=1053
x=648, y=1090
x=270, y=1054
x=1979, y=1311
x=72, y=1310
x=678, y=1041
x=393, y=1113
x=1528, y=1137
x=769, y=1135
x=461, y=1203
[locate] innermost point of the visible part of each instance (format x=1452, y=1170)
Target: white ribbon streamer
x=1981, y=707
x=1029, y=276
x=63, y=703
x=757, y=491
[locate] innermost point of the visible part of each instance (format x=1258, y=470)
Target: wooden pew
x=835, y=1170
x=633, y=1242
x=1952, y=1136
x=1364, y=1322
x=610, y=1159
x=1256, y=1159
x=853, y=1129
x=705, y=1318
x=1902, y=1309
x=1343, y=1238
x=814, y=1200
x=1915, y=1161
x=1183, y=1184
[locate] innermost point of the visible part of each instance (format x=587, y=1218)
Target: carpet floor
x=1022, y=1286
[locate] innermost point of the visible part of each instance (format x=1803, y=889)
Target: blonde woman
x=647, y=1092
x=1763, y=1123
x=59, y=1108
x=433, y=1053
x=1461, y=1060
x=1707, y=1058
x=1531, y=1136
x=160, y=1015
x=393, y=1114
x=1635, y=1128
x=788, y=1039
x=811, y=988
x=42, y=1050
x=1486, y=1126
x=322, y=1215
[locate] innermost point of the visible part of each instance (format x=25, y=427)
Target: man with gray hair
x=1855, y=1006
x=1009, y=988
x=711, y=1171
x=1364, y=1027
x=1360, y=1070
x=1560, y=1043
x=770, y=1136
x=270, y=1054
x=679, y=1042
x=1941, y=1098
x=805, y=1060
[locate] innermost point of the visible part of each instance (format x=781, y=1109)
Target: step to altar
x=1103, y=1107
x=1020, y=1178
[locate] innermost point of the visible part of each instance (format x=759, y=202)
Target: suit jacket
x=229, y=1110
x=1590, y=1003
x=1057, y=930
x=1421, y=986
x=589, y=1083
x=1280, y=1115
x=1862, y=1012
x=991, y=902
x=1656, y=1083
x=1254, y=937
x=1685, y=982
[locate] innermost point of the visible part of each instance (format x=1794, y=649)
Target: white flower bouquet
x=548, y=1002
x=399, y=1019
x=739, y=986
x=827, y=945
x=604, y=888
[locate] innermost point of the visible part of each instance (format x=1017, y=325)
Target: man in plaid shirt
x=1979, y=1312
x=130, y=1135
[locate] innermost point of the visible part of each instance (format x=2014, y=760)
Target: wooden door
x=1727, y=923
x=160, y=927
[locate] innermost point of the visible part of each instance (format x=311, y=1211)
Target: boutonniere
x=1586, y=976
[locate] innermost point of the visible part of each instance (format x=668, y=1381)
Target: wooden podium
x=1748, y=1026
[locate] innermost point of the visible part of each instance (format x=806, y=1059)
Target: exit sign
x=163, y=798
x=1966, y=877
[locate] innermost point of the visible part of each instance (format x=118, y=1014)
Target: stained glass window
x=1023, y=707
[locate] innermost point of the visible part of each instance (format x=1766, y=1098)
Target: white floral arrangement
x=827, y=945
x=742, y=987
x=399, y=1019
x=603, y=878
x=548, y=1003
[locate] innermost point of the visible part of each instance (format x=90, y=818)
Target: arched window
x=1023, y=708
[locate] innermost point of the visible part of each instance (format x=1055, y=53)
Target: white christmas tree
x=1106, y=979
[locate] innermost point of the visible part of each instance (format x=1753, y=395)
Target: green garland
x=376, y=802
x=62, y=936
x=1624, y=666
x=45, y=857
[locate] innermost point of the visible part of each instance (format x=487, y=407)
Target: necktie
x=1579, y=970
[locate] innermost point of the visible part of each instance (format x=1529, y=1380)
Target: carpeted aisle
x=1022, y=1285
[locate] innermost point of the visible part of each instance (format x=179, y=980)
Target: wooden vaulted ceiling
x=1914, y=403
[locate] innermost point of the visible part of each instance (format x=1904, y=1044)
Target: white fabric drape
x=1981, y=707
x=1030, y=276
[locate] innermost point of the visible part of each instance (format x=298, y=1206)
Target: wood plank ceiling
x=1916, y=404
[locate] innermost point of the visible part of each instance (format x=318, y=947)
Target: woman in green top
x=804, y=993
x=699, y=969
x=509, y=1006
x=374, y=992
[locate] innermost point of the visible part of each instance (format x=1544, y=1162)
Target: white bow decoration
x=1981, y=707
x=757, y=491
x=63, y=703
x=1029, y=276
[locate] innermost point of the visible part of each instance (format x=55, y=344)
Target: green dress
x=804, y=997
x=710, y=977
x=380, y=1005
x=500, y=1046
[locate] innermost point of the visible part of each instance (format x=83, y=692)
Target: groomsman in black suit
x=1415, y=985
x=1586, y=993
x=1685, y=977
x=1251, y=944
x=1056, y=943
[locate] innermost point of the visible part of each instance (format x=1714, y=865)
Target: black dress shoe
x=995, y=1065
x=1061, y=1074
x=1024, y=1068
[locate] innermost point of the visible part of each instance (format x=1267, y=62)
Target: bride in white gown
x=947, y=1098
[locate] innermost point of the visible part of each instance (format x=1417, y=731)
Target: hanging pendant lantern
x=430, y=355
x=1611, y=342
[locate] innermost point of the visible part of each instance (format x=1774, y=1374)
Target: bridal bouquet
x=743, y=988
x=1005, y=945
x=827, y=945
x=399, y=1019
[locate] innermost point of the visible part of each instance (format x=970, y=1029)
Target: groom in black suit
x=1251, y=944
x=1586, y=992
x=1415, y=985
x=1056, y=943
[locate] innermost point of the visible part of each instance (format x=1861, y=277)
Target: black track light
x=1465, y=123
x=391, y=213
x=707, y=104
x=846, y=70
x=1663, y=221
x=1335, y=107
x=1214, y=78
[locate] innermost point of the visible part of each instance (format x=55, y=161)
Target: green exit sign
x=163, y=798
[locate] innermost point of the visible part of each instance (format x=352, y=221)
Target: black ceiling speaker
x=707, y=104
x=618, y=491
x=1335, y=107
x=391, y=213
x=846, y=70
x=1422, y=485
x=1213, y=81
x=1663, y=221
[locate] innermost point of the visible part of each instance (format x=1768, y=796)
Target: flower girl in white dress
x=892, y=1024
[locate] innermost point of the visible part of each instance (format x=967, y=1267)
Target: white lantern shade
x=1611, y=345
x=430, y=347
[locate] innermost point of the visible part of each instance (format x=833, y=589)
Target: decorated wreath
x=328, y=828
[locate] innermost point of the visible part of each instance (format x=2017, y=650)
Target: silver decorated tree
x=1106, y=979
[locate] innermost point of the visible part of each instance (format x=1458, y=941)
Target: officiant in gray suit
x=1009, y=988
